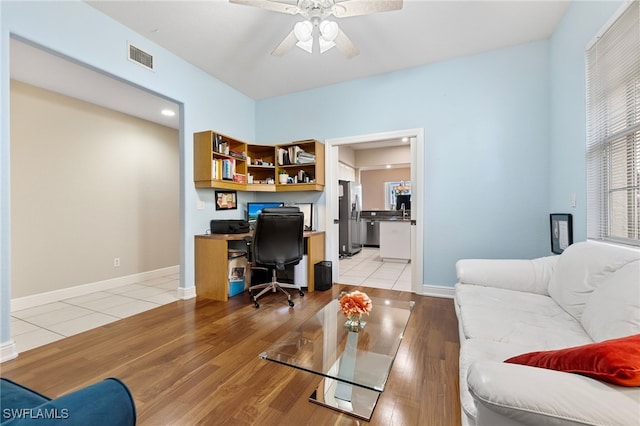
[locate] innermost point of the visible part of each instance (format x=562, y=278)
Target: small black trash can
x=322, y=275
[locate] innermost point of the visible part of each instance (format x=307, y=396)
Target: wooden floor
x=196, y=362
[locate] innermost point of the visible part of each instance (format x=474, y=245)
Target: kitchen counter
x=395, y=240
x=385, y=215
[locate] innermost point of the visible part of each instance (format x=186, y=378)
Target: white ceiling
x=233, y=42
x=39, y=68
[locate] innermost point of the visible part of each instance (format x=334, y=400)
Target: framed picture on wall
x=226, y=200
x=561, y=228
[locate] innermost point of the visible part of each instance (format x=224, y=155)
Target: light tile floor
x=367, y=269
x=44, y=324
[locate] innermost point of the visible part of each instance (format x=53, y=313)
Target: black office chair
x=277, y=242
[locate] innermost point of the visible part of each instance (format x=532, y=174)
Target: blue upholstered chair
x=106, y=403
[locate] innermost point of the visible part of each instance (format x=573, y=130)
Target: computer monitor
x=254, y=209
x=307, y=210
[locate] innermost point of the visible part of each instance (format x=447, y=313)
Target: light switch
x=200, y=205
x=573, y=199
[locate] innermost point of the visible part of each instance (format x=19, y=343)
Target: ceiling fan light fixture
x=306, y=45
x=325, y=45
x=304, y=33
x=328, y=30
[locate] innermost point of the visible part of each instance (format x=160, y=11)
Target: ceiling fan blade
x=349, y=8
x=345, y=45
x=289, y=41
x=269, y=5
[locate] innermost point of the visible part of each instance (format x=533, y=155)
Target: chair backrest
x=278, y=239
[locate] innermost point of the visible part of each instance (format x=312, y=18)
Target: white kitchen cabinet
x=395, y=240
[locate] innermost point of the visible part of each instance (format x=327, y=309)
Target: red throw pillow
x=615, y=361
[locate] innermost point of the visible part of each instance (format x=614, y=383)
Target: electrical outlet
x=116, y=262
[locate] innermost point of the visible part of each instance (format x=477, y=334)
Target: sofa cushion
x=105, y=403
x=613, y=310
x=516, y=317
x=473, y=350
x=615, y=361
x=531, y=276
x=16, y=396
x=581, y=269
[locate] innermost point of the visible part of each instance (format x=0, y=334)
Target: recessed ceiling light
x=405, y=139
x=168, y=112
x=388, y=166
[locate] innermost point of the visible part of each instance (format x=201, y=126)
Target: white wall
x=88, y=185
x=393, y=155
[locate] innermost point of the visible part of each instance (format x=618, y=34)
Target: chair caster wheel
x=301, y=293
x=257, y=304
x=291, y=303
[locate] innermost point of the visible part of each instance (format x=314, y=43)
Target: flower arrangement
x=355, y=303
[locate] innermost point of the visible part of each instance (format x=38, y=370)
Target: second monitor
x=254, y=209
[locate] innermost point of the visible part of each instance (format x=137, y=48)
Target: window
x=613, y=131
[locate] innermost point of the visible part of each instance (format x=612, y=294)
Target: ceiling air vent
x=140, y=57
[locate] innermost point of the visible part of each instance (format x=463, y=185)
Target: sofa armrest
x=511, y=394
x=513, y=274
x=106, y=403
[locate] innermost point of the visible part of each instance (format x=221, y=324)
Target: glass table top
x=323, y=345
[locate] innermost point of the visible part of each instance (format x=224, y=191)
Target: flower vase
x=354, y=323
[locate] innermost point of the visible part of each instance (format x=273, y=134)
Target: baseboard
x=186, y=293
x=8, y=350
x=80, y=290
x=437, y=291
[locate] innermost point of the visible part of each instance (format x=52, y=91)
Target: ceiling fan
x=316, y=13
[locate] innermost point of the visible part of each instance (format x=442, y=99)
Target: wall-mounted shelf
x=220, y=161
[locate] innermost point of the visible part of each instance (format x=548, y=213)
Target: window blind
x=613, y=131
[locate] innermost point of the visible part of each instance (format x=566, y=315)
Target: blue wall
x=581, y=23
x=486, y=146
x=80, y=32
x=504, y=131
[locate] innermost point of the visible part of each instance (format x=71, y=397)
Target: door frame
x=416, y=138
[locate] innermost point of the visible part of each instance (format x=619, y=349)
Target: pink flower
x=355, y=303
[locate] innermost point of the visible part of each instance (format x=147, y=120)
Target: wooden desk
x=211, y=261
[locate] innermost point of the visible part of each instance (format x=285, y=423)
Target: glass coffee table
x=354, y=365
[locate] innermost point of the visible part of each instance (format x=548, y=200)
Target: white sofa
x=589, y=293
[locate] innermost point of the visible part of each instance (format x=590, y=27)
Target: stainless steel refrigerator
x=349, y=209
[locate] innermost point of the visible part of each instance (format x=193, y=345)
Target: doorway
x=416, y=140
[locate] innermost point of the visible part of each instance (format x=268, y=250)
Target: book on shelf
x=294, y=155
x=237, y=154
x=228, y=168
x=305, y=157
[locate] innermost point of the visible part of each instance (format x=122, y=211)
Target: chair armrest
x=513, y=274
x=522, y=395
x=106, y=403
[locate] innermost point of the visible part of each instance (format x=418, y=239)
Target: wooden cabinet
x=303, y=161
x=220, y=161
x=262, y=168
